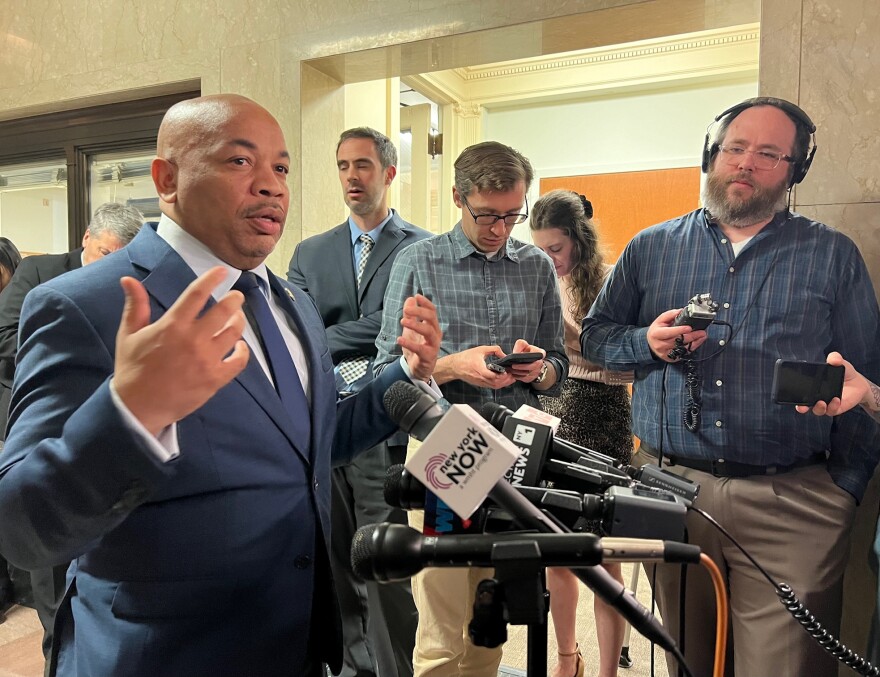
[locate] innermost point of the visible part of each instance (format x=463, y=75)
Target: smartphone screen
x=796, y=382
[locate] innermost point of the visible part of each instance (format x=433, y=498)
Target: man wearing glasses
x=495, y=295
x=783, y=485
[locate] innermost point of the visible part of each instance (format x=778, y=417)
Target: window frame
x=73, y=136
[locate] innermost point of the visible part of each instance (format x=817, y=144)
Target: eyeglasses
x=492, y=219
x=763, y=159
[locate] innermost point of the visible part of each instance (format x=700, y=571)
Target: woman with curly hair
x=594, y=406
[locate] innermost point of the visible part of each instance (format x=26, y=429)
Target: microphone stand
x=517, y=595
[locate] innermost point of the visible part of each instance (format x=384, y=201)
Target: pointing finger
x=196, y=295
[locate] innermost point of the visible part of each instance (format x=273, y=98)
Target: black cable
x=682, y=600
x=653, y=609
x=800, y=613
x=693, y=389
x=682, y=666
x=693, y=378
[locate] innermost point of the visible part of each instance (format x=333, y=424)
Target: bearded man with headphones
x=785, y=486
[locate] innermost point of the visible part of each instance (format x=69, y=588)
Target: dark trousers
x=378, y=621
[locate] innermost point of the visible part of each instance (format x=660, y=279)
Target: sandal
x=579, y=665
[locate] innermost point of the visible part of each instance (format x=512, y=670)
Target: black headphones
x=800, y=167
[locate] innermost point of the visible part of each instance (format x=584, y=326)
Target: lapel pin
x=290, y=294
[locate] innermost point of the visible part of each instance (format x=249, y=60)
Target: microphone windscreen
x=362, y=552
x=495, y=413
x=399, y=397
x=391, y=489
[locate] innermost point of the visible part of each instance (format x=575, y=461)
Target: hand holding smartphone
x=805, y=383
x=501, y=364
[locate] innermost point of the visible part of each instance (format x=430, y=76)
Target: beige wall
x=62, y=56
x=826, y=57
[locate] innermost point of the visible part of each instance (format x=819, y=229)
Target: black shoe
x=6, y=597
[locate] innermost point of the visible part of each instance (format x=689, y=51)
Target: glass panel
x=125, y=178
x=33, y=206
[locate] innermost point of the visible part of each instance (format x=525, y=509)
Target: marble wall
x=825, y=56
x=57, y=55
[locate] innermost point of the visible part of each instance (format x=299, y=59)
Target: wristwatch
x=543, y=374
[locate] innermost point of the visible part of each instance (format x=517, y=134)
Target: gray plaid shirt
x=479, y=302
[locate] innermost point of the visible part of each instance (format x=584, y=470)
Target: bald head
x=190, y=123
x=221, y=174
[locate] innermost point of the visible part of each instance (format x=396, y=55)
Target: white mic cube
x=462, y=458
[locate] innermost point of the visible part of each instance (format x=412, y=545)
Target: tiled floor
x=20, y=637
x=21, y=634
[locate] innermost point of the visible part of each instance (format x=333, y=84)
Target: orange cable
x=721, y=613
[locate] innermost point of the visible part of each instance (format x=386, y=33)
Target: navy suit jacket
x=211, y=564
x=322, y=266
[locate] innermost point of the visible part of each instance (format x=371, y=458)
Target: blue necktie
x=281, y=364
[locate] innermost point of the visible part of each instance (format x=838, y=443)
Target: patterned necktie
x=281, y=365
x=353, y=368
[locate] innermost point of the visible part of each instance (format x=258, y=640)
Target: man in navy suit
x=155, y=441
x=345, y=271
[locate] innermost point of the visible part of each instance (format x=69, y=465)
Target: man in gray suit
x=345, y=270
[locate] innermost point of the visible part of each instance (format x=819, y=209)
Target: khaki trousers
x=796, y=525
x=445, y=601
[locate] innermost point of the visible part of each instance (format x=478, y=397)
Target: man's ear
x=390, y=173
x=456, y=198
x=164, y=174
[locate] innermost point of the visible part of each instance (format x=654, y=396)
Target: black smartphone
x=796, y=382
x=499, y=364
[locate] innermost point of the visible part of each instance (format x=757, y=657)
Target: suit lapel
x=167, y=275
x=308, y=325
x=390, y=238
x=74, y=259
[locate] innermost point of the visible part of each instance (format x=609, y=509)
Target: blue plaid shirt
x=798, y=290
x=480, y=302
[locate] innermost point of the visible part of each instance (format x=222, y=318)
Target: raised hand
x=167, y=369
x=421, y=336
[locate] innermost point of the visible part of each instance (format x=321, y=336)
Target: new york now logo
x=444, y=470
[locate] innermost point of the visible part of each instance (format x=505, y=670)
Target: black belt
x=721, y=468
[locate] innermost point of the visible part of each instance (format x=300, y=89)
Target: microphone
x=402, y=402
x=500, y=418
x=583, y=480
x=661, y=478
x=632, y=512
x=402, y=489
x=393, y=552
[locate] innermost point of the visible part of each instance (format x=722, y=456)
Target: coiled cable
x=801, y=614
